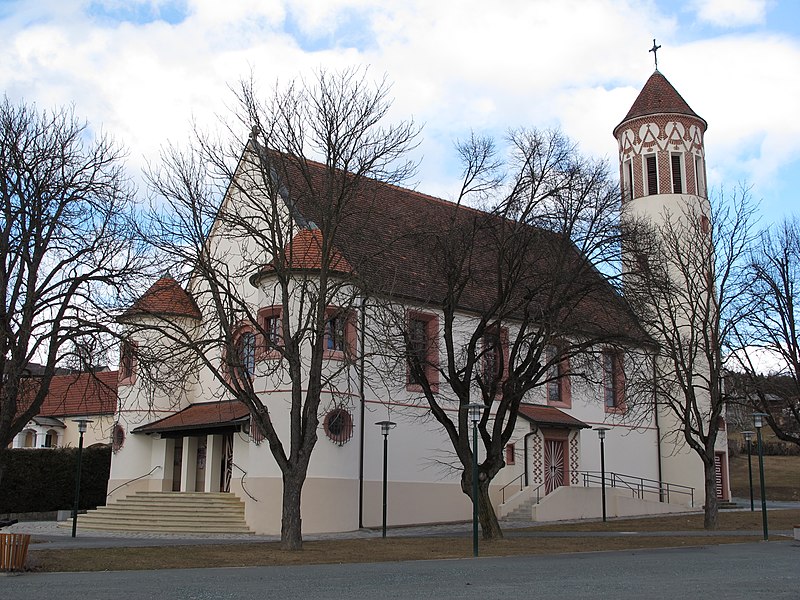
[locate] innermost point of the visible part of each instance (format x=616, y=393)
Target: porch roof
x=204, y=415
x=48, y=422
x=550, y=416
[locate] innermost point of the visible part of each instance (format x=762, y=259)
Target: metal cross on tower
x=654, y=50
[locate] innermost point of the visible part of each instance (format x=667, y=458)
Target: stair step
x=169, y=512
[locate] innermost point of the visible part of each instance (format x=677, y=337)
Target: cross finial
x=654, y=50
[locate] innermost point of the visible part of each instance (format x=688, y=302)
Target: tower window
x=652, y=174
x=700, y=176
x=677, y=175
x=246, y=353
x=627, y=180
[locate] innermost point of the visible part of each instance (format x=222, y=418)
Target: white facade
x=343, y=488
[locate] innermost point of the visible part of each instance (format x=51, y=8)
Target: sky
x=144, y=70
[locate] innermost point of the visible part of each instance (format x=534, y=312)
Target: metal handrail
x=536, y=489
x=503, y=489
x=638, y=486
x=132, y=480
x=244, y=474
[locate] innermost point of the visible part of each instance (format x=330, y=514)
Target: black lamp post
x=82, y=423
x=748, y=437
x=385, y=426
x=758, y=421
x=475, y=409
x=601, y=433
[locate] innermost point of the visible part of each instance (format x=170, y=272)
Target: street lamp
x=601, y=433
x=82, y=423
x=758, y=421
x=748, y=437
x=475, y=409
x=385, y=426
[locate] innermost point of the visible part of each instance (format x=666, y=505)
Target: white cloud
x=731, y=13
x=456, y=66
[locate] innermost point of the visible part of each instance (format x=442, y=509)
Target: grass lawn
x=401, y=548
x=781, y=477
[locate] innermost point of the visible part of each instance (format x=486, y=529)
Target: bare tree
x=262, y=229
x=523, y=300
x=66, y=256
x=685, y=280
x=771, y=329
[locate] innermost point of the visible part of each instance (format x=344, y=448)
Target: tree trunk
x=710, y=507
x=490, y=526
x=291, y=523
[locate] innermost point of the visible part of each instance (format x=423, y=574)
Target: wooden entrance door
x=226, y=468
x=554, y=464
x=177, y=463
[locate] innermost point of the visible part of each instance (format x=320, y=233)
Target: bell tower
x=663, y=179
x=661, y=150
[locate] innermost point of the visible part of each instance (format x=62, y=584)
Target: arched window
x=30, y=439
x=246, y=353
x=51, y=439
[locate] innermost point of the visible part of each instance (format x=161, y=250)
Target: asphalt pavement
x=729, y=572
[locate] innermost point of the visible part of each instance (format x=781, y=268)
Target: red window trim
x=564, y=383
x=262, y=351
x=242, y=329
x=348, y=352
x=618, y=384
x=128, y=376
x=511, y=458
x=431, y=321
x=491, y=331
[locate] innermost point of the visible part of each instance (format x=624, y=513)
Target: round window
x=117, y=437
x=338, y=425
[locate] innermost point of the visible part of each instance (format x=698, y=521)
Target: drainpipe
x=658, y=435
x=363, y=406
x=534, y=431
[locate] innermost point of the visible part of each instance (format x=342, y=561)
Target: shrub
x=771, y=448
x=43, y=479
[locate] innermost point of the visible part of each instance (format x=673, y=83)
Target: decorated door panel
x=554, y=464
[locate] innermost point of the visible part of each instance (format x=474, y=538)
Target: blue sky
x=143, y=69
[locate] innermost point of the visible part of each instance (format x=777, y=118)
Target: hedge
x=770, y=448
x=43, y=479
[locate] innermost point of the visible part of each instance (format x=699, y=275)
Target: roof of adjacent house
x=81, y=394
x=165, y=297
x=549, y=416
x=659, y=96
x=204, y=415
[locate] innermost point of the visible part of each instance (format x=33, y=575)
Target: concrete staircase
x=168, y=512
x=523, y=512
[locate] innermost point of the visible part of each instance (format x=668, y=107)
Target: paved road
x=729, y=572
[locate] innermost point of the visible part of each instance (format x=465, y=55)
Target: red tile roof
x=205, y=415
x=165, y=298
x=304, y=252
x=549, y=415
x=658, y=96
x=396, y=240
x=81, y=394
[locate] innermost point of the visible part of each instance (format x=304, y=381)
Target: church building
x=199, y=448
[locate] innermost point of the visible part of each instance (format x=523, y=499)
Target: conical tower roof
x=165, y=298
x=658, y=96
